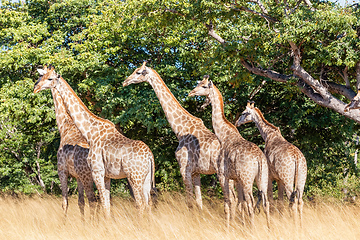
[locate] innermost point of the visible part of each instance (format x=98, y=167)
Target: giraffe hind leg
x=81, y=200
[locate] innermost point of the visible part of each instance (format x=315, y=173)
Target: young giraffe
x=287, y=164
x=241, y=161
x=111, y=154
x=198, y=149
x=71, y=158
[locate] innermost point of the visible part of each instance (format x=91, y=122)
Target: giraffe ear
x=41, y=72
x=210, y=83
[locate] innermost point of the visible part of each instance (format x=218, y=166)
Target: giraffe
x=71, y=156
x=354, y=103
x=198, y=149
x=241, y=160
x=111, y=154
x=287, y=164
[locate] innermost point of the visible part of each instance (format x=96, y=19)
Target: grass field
x=42, y=218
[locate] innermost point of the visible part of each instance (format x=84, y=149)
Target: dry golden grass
x=42, y=218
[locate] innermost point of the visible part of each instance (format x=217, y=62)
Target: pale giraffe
x=354, y=103
x=287, y=164
x=111, y=154
x=241, y=160
x=198, y=149
x=71, y=158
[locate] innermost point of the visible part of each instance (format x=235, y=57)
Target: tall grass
x=42, y=218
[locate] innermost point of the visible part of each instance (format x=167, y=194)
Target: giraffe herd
x=93, y=151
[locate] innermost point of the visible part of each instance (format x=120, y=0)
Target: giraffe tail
x=295, y=193
x=153, y=191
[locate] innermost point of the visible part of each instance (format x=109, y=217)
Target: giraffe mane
x=86, y=109
x=222, y=107
x=266, y=122
x=172, y=95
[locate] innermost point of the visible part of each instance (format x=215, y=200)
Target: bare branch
x=213, y=34
x=262, y=7
x=307, y=2
x=255, y=91
x=345, y=76
x=340, y=89
x=266, y=72
x=242, y=8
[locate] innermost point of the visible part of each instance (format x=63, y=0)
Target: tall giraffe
x=241, y=160
x=287, y=164
x=111, y=154
x=71, y=158
x=198, y=149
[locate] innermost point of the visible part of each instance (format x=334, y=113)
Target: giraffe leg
x=233, y=199
x=281, y=189
x=81, y=200
x=98, y=175
x=262, y=181
x=182, y=155
x=63, y=176
x=249, y=199
x=197, y=189
x=224, y=182
x=292, y=201
x=89, y=191
x=138, y=195
x=241, y=205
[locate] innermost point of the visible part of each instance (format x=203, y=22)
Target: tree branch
x=213, y=34
x=357, y=69
x=242, y=8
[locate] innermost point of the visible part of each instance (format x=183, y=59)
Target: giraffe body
x=287, y=164
x=240, y=160
x=198, y=149
x=71, y=156
x=111, y=154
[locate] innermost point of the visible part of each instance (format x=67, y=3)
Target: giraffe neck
x=178, y=118
x=222, y=127
x=267, y=130
x=64, y=122
x=85, y=121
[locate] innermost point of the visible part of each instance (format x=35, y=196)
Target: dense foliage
x=95, y=45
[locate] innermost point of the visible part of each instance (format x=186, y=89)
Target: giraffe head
x=354, y=104
x=247, y=114
x=48, y=79
x=203, y=88
x=141, y=74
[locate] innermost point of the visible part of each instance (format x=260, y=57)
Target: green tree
x=306, y=53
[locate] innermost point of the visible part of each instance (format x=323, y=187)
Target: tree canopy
x=307, y=52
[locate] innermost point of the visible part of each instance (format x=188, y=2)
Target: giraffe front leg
x=98, y=175
x=89, y=191
x=224, y=183
x=63, y=176
x=81, y=200
x=197, y=189
x=181, y=155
